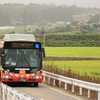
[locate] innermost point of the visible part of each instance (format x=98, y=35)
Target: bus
x=21, y=61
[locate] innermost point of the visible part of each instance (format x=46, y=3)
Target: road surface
x=46, y=92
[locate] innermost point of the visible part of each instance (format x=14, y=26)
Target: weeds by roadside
x=72, y=74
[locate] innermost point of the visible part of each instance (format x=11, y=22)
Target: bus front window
x=10, y=57
x=33, y=57
x=22, y=58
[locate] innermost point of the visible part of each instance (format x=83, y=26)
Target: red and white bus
x=21, y=60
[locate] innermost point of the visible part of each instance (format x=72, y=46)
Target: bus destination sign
x=22, y=45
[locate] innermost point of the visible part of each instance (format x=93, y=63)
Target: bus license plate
x=22, y=79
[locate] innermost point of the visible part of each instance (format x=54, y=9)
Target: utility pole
x=25, y=20
x=44, y=40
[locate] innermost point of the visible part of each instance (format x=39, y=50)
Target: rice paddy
x=72, y=51
x=91, y=67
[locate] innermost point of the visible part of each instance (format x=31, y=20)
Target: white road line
x=62, y=92
x=41, y=99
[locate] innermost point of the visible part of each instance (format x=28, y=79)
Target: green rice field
x=72, y=51
x=92, y=67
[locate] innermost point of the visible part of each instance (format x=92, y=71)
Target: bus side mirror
x=43, y=52
x=0, y=53
x=3, y=55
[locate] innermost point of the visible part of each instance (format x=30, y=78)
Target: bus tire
x=35, y=84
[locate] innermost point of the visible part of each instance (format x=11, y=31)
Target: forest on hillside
x=69, y=40
x=14, y=14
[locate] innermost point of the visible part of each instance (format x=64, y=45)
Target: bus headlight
x=6, y=76
x=37, y=77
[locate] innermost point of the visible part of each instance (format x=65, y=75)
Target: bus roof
x=19, y=37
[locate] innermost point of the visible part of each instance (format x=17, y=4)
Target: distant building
x=29, y=31
x=60, y=23
x=51, y=24
x=81, y=24
x=45, y=28
x=6, y=27
x=68, y=23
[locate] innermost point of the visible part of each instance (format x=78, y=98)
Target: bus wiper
x=27, y=62
x=17, y=62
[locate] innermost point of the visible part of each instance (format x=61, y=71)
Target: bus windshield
x=22, y=58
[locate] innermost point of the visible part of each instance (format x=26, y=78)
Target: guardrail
x=8, y=93
x=74, y=82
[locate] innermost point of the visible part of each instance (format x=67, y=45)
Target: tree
x=74, y=23
x=95, y=18
x=36, y=13
x=68, y=28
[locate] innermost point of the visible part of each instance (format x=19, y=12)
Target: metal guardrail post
x=99, y=95
x=53, y=82
x=65, y=86
x=74, y=82
x=48, y=80
x=44, y=78
x=80, y=91
x=12, y=94
x=8, y=94
x=59, y=83
x=88, y=93
x=3, y=96
x=72, y=88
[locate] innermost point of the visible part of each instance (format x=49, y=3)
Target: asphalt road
x=46, y=92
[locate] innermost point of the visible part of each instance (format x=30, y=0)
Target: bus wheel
x=35, y=84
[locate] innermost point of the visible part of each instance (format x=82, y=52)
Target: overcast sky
x=82, y=3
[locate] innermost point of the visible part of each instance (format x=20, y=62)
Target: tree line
x=14, y=14
x=69, y=40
